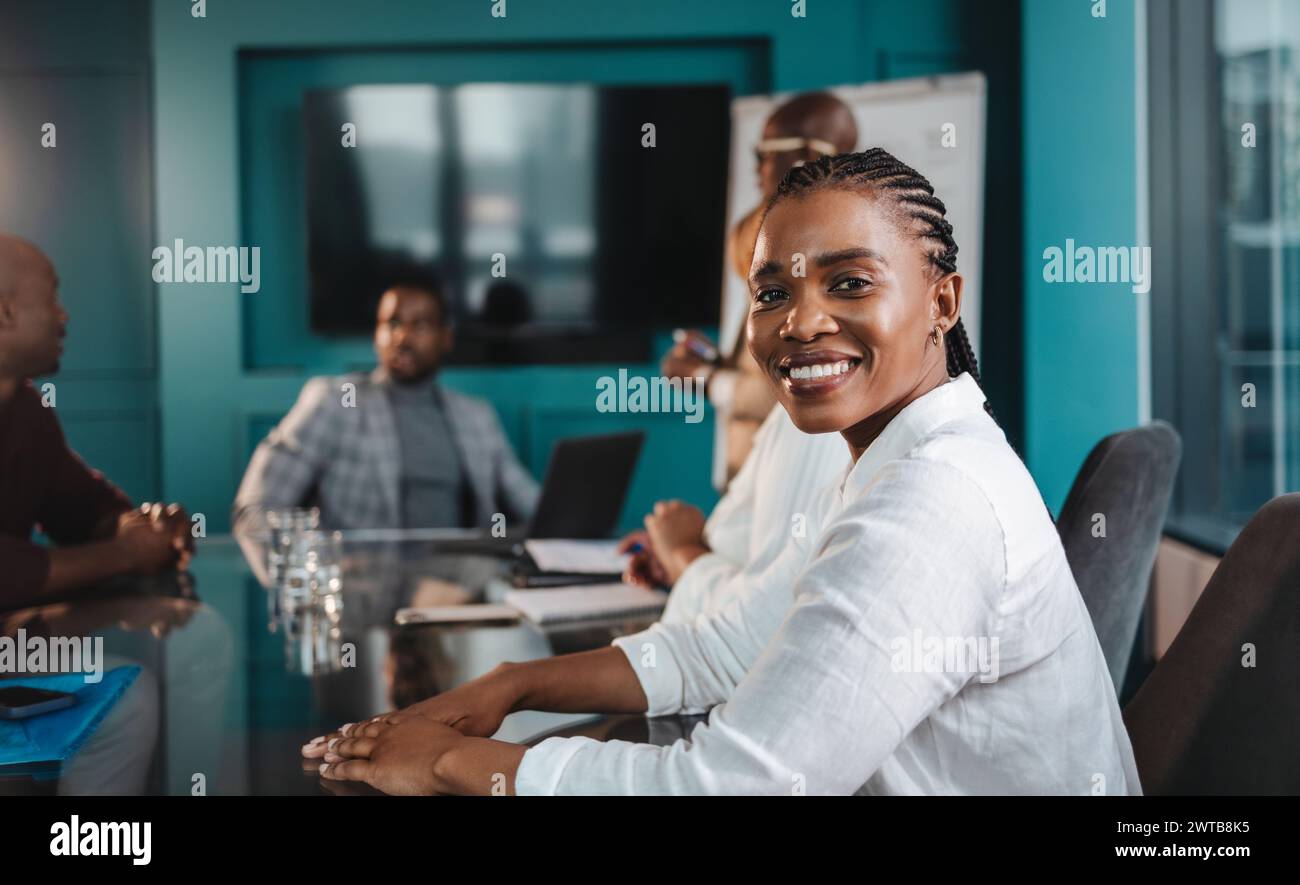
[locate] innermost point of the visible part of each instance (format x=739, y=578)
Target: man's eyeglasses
x=770, y=146
x=420, y=324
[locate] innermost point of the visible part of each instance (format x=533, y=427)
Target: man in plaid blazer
x=391, y=449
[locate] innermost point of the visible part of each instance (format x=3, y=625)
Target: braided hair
x=913, y=198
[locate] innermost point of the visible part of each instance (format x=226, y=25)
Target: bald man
x=808, y=126
x=43, y=484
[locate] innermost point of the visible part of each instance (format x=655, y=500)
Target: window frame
x=1184, y=114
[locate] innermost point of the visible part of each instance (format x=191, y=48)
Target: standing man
x=391, y=449
x=808, y=126
x=98, y=533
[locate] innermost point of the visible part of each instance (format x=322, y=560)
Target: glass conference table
x=234, y=678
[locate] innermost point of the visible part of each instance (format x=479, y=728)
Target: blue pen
x=702, y=349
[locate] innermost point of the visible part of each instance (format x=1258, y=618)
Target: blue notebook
x=54, y=738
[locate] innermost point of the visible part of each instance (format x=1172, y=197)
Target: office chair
x=1220, y=713
x=1127, y=478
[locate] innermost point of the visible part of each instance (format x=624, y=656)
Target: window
x=1224, y=105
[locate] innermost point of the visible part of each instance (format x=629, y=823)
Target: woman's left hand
x=676, y=531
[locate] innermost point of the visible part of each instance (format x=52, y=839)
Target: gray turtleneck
x=433, y=494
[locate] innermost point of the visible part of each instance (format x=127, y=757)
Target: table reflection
x=183, y=650
x=237, y=673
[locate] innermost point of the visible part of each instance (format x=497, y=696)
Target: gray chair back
x=1220, y=713
x=1110, y=527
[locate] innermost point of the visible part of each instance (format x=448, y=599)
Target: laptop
x=582, y=496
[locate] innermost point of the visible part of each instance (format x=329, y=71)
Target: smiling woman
x=936, y=530
x=889, y=319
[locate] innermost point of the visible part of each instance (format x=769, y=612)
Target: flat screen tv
x=565, y=222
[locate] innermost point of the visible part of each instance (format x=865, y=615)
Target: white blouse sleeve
x=831, y=696
x=690, y=665
x=700, y=587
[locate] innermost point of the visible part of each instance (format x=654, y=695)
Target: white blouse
x=772, y=496
x=929, y=640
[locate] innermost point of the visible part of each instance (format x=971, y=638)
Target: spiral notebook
x=579, y=557
x=587, y=602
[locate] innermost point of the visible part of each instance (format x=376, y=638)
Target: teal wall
x=158, y=386
x=218, y=389
x=88, y=203
x=1080, y=345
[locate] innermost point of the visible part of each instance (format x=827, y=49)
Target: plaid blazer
x=341, y=453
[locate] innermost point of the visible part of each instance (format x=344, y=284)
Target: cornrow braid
x=913, y=196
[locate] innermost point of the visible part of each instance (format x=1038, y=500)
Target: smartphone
x=21, y=701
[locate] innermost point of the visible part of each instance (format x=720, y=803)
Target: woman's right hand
x=692, y=355
x=643, y=568
x=475, y=709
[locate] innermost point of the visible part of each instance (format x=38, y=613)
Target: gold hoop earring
x=937, y=337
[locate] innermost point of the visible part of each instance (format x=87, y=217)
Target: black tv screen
x=561, y=226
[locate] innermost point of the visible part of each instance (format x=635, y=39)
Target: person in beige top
x=808, y=126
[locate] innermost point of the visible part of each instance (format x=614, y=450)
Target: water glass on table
x=284, y=525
